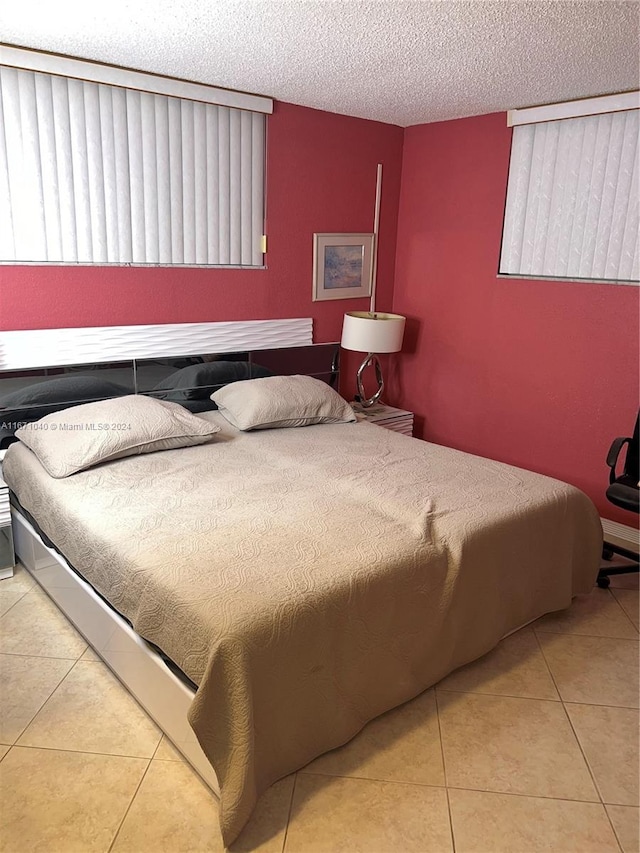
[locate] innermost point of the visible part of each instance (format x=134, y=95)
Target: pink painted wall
x=321, y=176
x=540, y=374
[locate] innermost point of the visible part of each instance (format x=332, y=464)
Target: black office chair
x=623, y=491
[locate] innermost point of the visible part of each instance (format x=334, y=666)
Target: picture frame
x=342, y=266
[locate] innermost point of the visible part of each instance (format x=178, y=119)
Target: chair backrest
x=632, y=462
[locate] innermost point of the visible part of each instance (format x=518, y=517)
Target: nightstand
x=398, y=420
x=7, y=557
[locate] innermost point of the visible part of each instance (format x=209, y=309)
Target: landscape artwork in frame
x=342, y=266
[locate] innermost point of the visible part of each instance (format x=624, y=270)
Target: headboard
x=171, y=368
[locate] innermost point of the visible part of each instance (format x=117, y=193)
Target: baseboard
x=621, y=535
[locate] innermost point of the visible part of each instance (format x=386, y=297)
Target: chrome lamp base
x=365, y=401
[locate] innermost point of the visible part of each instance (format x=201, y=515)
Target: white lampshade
x=375, y=332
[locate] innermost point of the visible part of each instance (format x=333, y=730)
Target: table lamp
x=372, y=332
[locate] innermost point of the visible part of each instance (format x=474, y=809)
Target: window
x=152, y=171
x=572, y=198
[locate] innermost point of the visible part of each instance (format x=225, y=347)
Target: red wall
x=540, y=374
x=321, y=177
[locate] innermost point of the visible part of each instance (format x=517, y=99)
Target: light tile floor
x=532, y=748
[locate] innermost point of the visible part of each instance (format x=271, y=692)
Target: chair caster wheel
x=607, y=553
x=603, y=582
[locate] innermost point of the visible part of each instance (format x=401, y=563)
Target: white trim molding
x=621, y=535
x=574, y=109
x=126, y=78
x=56, y=347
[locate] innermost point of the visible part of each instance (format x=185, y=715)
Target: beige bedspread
x=310, y=579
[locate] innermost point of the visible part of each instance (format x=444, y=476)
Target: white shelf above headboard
x=57, y=347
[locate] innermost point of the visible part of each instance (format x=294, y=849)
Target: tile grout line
x=370, y=779
x=606, y=811
x=70, y=749
x=501, y=695
x=444, y=770
x=128, y=809
x=557, y=701
x=89, y=752
x=35, y=714
x=615, y=598
x=527, y=796
x=76, y=661
x=29, y=577
x=611, y=598
x=575, y=734
x=592, y=636
x=40, y=657
x=155, y=751
x=594, y=802
x=11, y=606
x=37, y=588
x=289, y=813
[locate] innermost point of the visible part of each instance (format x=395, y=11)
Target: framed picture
x=342, y=266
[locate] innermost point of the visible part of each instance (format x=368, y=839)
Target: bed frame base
x=164, y=697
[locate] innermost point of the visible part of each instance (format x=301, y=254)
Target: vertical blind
x=572, y=206
x=95, y=173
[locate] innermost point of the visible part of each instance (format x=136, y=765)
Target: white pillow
x=77, y=438
x=281, y=401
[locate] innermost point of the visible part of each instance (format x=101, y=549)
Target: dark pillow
x=199, y=381
x=42, y=398
x=6, y=437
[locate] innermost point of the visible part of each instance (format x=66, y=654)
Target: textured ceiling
x=401, y=61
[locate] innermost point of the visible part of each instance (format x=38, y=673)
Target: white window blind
x=572, y=206
x=96, y=173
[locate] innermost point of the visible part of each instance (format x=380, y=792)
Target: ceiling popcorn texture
x=397, y=61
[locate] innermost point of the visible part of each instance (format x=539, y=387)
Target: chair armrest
x=612, y=455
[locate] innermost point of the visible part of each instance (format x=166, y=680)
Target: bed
x=303, y=579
